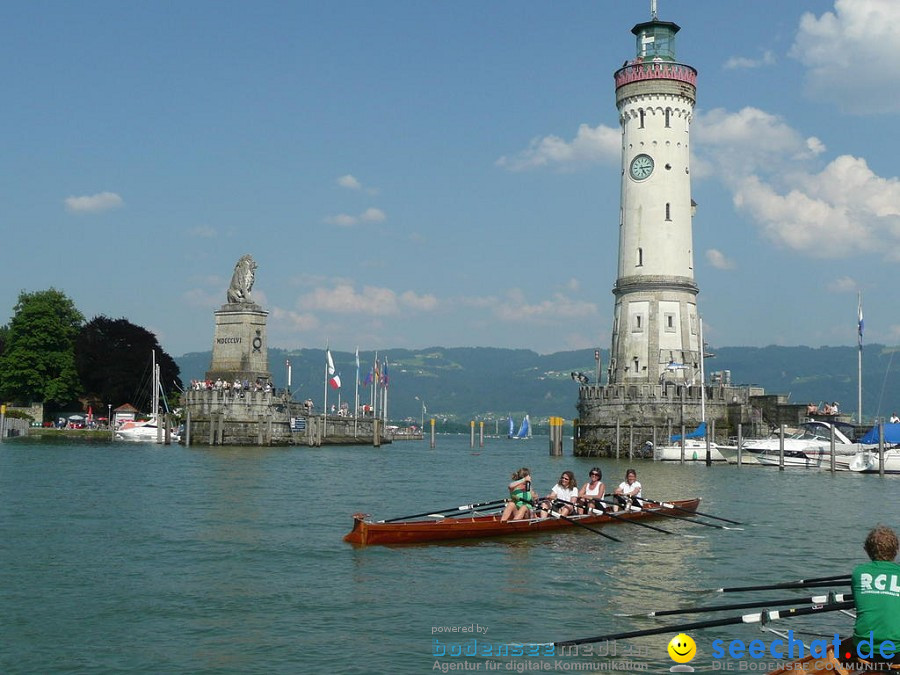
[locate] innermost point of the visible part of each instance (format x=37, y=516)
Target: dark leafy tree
x=38, y=360
x=113, y=358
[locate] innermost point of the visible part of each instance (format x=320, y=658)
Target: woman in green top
x=876, y=590
x=521, y=498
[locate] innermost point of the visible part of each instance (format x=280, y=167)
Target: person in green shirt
x=876, y=590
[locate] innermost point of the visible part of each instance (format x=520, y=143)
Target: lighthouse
x=656, y=329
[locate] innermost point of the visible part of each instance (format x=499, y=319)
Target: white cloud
x=742, y=62
x=735, y=144
x=202, y=231
x=103, y=201
x=840, y=210
x=844, y=53
x=203, y=297
x=514, y=307
x=343, y=298
x=295, y=321
x=349, y=182
x=370, y=215
x=600, y=144
x=843, y=285
x=718, y=259
x=844, y=210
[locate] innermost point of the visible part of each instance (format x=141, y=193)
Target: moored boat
x=694, y=451
x=367, y=533
x=146, y=431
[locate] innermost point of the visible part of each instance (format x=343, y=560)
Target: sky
x=416, y=173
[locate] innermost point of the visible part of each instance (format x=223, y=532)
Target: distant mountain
x=486, y=383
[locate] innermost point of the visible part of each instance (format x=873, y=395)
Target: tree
x=113, y=361
x=38, y=360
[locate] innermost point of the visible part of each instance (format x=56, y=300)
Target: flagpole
x=384, y=388
x=859, y=313
x=375, y=376
x=325, y=406
x=356, y=397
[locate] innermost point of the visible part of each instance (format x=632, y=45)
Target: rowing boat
x=367, y=533
x=830, y=663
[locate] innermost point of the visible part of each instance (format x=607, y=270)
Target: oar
x=758, y=617
x=693, y=521
x=814, y=600
x=616, y=516
x=801, y=583
x=669, y=505
x=557, y=514
x=464, y=507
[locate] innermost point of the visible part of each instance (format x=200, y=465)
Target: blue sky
x=410, y=173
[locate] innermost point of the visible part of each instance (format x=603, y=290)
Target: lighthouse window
x=637, y=325
x=641, y=112
x=668, y=116
x=668, y=211
x=640, y=257
x=669, y=319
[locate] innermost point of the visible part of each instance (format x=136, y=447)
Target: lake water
x=118, y=557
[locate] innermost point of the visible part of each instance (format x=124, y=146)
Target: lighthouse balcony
x=656, y=70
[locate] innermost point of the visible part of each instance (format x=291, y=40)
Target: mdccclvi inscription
x=230, y=340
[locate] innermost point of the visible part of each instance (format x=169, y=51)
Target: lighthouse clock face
x=641, y=167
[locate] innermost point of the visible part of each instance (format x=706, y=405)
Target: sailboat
x=148, y=431
x=524, y=430
x=512, y=428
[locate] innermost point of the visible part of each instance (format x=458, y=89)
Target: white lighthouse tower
x=656, y=331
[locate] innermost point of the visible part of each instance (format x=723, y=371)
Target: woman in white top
x=591, y=494
x=562, y=496
x=629, y=491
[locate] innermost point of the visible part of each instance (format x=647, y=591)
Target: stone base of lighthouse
x=618, y=420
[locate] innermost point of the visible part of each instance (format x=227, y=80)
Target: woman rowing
x=562, y=496
x=521, y=496
x=628, y=493
x=592, y=493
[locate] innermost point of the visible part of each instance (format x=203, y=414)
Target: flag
x=335, y=381
x=860, y=319
x=377, y=371
x=368, y=379
x=384, y=373
x=357, y=358
x=330, y=362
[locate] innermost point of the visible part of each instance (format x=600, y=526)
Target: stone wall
x=614, y=420
x=218, y=417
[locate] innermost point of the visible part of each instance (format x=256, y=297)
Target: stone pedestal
x=240, y=346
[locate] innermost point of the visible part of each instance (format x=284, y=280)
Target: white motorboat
x=730, y=453
x=868, y=461
x=146, y=431
x=694, y=451
x=809, y=447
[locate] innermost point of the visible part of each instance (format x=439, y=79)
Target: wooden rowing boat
x=832, y=664
x=367, y=533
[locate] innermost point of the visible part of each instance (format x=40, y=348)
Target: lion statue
x=242, y=280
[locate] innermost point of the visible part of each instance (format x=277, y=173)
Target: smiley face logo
x=682, y=648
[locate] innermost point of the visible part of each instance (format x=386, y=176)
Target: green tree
x=113, y=361
x=38, y=360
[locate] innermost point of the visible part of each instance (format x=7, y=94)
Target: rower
x=521, y=497
x=875, y=589
x=628, y=493
x=562, y=496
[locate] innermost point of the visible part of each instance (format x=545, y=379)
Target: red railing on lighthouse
x=655, y=70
